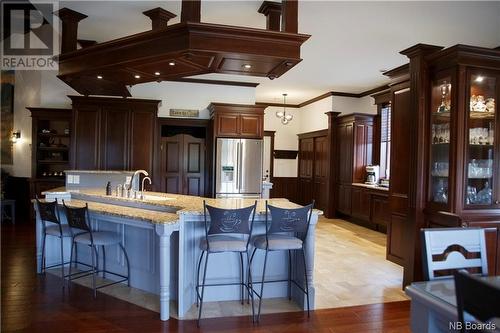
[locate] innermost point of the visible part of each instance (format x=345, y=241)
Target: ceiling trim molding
x=326, y=95
x=218, y=82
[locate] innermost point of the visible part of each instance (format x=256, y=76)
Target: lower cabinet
x=365, y=204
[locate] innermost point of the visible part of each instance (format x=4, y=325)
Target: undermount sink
x=161, y=203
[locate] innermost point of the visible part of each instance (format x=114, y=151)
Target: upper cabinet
x=237, y=120
x=463, y=135
x=113, y=133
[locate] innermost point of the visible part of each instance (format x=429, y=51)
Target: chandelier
x=285, y=118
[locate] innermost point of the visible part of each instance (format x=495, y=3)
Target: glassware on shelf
x=480, y=169
x=485, y=195
x=471, y=195
x=440, y=133
x=445, y=105
x=440, y=169
x=481, y=135
x=441, y=192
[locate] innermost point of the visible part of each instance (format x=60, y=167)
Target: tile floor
x=350, y=269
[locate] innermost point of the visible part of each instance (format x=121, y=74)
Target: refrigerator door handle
x=240, y=166
x=238, y=170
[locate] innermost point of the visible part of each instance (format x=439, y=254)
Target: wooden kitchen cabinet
x=344, y=199
x=113, y=133
x=380, y=213
x=237, y=120
x=360, y=203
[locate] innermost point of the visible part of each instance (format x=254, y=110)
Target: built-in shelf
x=482, y=115
x=54, y=148
x=285, y=154
x=52, y=162
x=53, y=135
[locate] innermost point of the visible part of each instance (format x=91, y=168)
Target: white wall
x=313, y=117
x=182, y=95
x=285, y=138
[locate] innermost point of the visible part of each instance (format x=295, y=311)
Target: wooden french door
x=183, y=160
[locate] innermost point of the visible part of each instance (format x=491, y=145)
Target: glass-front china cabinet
x=463, y=142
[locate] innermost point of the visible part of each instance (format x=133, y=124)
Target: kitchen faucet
x=136, y=173
x=142, y=187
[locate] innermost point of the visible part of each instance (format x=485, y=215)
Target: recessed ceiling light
x=137, y=76
x=171, y=63
x=247, y=66
x=99, y=77
x=479, y=78
x=157, y=73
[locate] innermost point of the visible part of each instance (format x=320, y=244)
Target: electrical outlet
x=76, y=179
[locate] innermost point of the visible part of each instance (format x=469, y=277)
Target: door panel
x=227, y=169
x=194, y=165
x=251, y=166
x=172, y=150
x=228, y=124
x=251, y=125
x=184, y=164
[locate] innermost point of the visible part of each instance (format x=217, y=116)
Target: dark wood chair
x=477, y=298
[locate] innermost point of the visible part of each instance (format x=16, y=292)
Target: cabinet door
x=345, y=140
x=360, y=203
x=85, y=140
x=344, y=199
x=172, y=163
x=114, y=139
x=380, y=212
x=251, y=125
x=306, y=155
x=142, y=136
x=320, y=172
x=228, y=125
x=362, y=154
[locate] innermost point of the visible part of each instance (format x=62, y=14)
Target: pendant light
x=285, y=118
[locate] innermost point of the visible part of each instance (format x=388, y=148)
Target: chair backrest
x=48, y=211
x=294, y=220
x=229, y=221
x=449, y=249
x=476, y=297
x=77, y=217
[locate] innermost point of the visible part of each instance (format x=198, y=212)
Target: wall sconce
x=16, y=136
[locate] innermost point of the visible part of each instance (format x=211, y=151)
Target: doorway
x=183, y=154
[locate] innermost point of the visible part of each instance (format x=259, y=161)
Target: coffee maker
x=372, y=174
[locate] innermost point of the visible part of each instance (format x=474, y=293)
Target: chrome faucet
x=142, y=187
x=136, y=173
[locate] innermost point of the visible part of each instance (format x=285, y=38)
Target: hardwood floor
x=32, y=303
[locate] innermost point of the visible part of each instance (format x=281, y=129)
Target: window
x=385, y=140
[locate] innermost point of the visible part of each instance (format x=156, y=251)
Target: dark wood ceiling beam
x=70, y=19
x=290, y=16
x=86, y=42
x=159, y=17
x=217, y=82
x=272, y=11
x=191, y=11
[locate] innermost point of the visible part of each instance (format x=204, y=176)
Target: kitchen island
x=161, y=234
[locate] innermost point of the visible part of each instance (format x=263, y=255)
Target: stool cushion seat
x=224, y=243
x=277, y=242
x=99, y=237
x=53, y=230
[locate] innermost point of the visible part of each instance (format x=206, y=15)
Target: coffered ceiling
x=351, y=41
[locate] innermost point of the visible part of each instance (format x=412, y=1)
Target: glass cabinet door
x=482, y=122
x=441, y=113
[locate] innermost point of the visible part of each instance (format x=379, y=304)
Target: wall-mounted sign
x=184, y=113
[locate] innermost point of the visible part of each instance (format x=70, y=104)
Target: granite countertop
x=100, y=171
x=145, y=215
x=372, y=187
x=184, y=204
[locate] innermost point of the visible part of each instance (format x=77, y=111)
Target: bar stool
x=78, y=219
x=229, y=231
x=284, y=222
x=50, y=213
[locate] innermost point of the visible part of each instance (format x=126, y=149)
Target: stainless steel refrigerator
x=239, y=168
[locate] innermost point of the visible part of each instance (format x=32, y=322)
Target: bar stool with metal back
x=229, y=231
x=49, y=212
x=284, y=221
x=78, y=219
